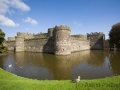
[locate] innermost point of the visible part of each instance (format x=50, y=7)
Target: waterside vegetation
x=3, y=49
x=9, y=81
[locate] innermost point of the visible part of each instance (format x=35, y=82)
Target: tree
x=2, y=39
x=114, y=35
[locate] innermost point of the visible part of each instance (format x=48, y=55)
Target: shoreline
x=1, y=54
x=11, y=81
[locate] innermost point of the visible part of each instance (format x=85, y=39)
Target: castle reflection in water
x=88, y=64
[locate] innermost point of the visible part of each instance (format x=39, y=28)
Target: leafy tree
x=114, y=35
x=2, y=39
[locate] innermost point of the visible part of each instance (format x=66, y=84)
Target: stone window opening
x=63, y=49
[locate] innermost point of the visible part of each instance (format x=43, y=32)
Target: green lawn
x=9, y=81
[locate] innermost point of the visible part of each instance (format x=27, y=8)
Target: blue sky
x=34, y=16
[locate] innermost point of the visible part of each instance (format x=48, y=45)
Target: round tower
x=19, y=44
x=62, y=44
x=50, y=32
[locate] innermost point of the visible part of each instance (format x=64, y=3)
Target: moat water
x=87, y=64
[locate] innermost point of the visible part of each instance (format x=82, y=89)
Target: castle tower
x=96, y=40
x=62, y=44
x=19, y=43
x=50, y=32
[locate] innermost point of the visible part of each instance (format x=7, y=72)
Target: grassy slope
x=9, y=81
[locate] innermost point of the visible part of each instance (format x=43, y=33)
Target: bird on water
x=10, y=65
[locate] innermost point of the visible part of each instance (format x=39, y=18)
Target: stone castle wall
x=11, y=38
x=58, y=41
x=77, y=45
x=19, y=43
x=79, y=42
x=10, y=45
x=25, y=35
x=78, y=37
x=41, y=35
x=39, y=45
x=96, y=40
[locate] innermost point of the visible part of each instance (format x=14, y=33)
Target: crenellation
x=57, y=40
x=41, y=35
x=24, y=34
x=62, y=27
x=11, y=38
x=95, y=33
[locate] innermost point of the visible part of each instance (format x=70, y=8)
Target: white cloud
x=5, y=6
x=77, y=23
x=7, y=22
x=9, y=6
x=30, y=20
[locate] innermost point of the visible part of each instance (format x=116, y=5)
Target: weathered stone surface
x=19, y=43
x=58, y=41
x=62, y=44
x=96, y=40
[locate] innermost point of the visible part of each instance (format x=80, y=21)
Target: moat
x=88, y=64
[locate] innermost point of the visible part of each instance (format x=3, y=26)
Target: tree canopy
x=2, y=39
x=114, y=35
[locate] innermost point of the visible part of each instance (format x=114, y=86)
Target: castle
x=58, y=41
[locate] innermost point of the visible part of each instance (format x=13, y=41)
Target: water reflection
x=97, y=58
x=115, y=62
x=87, y=64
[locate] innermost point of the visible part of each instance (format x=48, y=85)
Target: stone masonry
x=57, y=41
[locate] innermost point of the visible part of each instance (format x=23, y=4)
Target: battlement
x=95, y=33
x=57, y=40
x=51, y=29
x=41, y=35
x=11, y=38
x=79, y=36
x=24, y=34
x=62, y=27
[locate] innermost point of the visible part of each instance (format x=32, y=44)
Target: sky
x=34, y=16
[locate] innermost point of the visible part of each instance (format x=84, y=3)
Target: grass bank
x=9, y=81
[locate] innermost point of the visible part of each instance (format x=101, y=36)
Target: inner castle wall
x=57, y=41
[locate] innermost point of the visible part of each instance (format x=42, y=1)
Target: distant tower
x=96, y=40
x=62, y=44
x=19, y=43
x=50, y=32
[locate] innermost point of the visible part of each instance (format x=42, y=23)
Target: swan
x=10, y=65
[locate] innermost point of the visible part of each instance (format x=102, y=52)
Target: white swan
x=76, y=80
x=10, y=65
